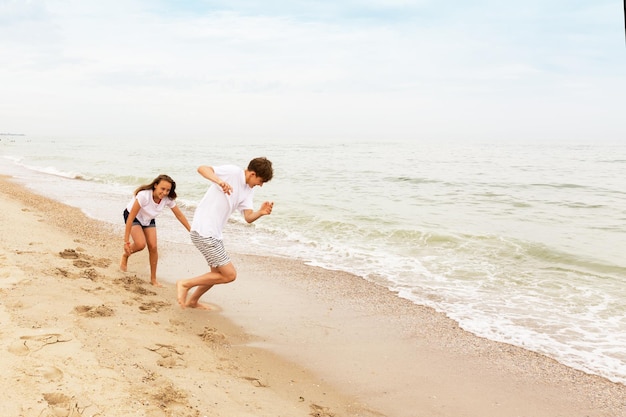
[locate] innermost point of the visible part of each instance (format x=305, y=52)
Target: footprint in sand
x=83, y=260
x=10, y=275
x=212, y=336
x=94, y=311
x=172, y=399
x=19, y=348
x=319, y=411
x=90, y=273
x=92, y=290
x=60, y=405
x=102, y=262
x=255, y=381
x=49, y=372
x=170, y=356
x=134, y=284
x=29, y=344
x=153, y=306
x=81, y=263
x=63, y=272
x=69, y=254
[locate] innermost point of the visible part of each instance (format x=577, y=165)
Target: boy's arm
x=251, y=216
x=209, y=173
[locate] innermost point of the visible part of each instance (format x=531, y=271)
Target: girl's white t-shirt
x=149, y=209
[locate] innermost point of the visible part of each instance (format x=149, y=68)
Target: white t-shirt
x=216, y=207
x=149, y=209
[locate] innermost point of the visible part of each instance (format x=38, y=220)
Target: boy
x=233, y=190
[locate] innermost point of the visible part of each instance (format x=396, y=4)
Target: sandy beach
x=79, y=337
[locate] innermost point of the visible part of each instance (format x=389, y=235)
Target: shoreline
x=290, y=339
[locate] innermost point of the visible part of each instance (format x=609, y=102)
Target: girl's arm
x=181, y=217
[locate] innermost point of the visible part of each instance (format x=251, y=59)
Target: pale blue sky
x=314, y=70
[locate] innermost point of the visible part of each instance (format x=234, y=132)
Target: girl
x=148, y=202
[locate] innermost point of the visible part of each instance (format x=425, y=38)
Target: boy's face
x=254, y=180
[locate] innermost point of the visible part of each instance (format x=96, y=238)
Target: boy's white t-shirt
x=216, y=207
x=149, y=209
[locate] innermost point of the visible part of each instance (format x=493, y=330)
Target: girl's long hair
x=156, y=181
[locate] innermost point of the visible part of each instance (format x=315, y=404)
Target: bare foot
x=156, y=284
x=181, y=294
x=199, y=306
x=124, y=263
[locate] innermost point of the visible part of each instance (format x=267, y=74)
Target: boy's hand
x=266, y=207
x=225, y=187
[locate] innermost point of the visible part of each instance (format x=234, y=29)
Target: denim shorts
x=136, y=222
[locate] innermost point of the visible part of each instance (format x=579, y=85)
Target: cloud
x=307, y=69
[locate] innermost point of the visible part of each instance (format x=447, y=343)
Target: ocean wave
x=414, y=180
x=558, y=185
x=50, y=170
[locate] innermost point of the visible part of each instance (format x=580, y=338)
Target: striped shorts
x=212, y=249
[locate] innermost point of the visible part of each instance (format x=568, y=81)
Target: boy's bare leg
x=194, y=300
x=181, y=294
x=220, y=275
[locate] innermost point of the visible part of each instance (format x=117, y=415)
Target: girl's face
x=162, y=189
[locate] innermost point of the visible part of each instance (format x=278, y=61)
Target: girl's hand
x=127, y=248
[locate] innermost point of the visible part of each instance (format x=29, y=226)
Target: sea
x=522, y=243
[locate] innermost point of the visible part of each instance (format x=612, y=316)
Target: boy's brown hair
x=262, y=167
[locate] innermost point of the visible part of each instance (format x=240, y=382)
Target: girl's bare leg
x=124, y=262
x=138, y=243
x=151, y=240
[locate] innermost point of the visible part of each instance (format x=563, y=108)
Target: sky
x=371, y=70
